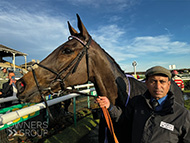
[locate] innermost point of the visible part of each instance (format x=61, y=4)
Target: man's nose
x=158, y=84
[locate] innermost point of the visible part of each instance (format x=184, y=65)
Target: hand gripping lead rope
x=109, y=123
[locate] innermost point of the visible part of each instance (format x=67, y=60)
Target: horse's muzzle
x=20, y=85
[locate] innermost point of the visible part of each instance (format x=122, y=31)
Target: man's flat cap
x=158, y=70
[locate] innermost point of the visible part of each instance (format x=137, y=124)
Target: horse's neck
x=109, y=80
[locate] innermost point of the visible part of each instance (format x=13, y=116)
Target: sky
x=150, y=32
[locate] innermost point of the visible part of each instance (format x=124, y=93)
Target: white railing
x=6, y=118
x=13, y=98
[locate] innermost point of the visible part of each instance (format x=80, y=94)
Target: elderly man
x=154, y=116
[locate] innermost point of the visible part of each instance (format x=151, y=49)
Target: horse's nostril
x=20, y=86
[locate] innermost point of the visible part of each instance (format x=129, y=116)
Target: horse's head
x=60, y=69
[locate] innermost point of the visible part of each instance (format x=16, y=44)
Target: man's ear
x=169, y=82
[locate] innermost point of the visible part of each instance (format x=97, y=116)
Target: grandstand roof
x=8, y=52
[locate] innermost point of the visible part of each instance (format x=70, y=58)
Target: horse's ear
x=71, y=29
x=82, y=28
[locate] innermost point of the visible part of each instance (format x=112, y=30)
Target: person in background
x=154, y=116
x=4, y=73
x=9, y=89
x=178, y=80
x=3, y=76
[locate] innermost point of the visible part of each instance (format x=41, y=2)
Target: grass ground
x=187, y=102
x=187, y=91
x=74, y=133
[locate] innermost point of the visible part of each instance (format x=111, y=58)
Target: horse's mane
x=113, y=60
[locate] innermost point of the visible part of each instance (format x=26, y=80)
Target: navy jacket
x=144, y=125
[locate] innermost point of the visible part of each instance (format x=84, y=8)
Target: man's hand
x=103, y=101
x=12, y=81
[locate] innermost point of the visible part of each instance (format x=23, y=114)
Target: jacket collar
x=167, y=106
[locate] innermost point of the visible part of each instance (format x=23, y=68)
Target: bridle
x=72, y=66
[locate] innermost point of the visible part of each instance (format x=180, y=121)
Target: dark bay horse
x=78, y=60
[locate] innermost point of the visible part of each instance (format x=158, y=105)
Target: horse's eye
x=67, y=51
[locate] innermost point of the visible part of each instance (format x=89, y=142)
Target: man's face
x=10, y=75
x=4, y=70
x=158, y=86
